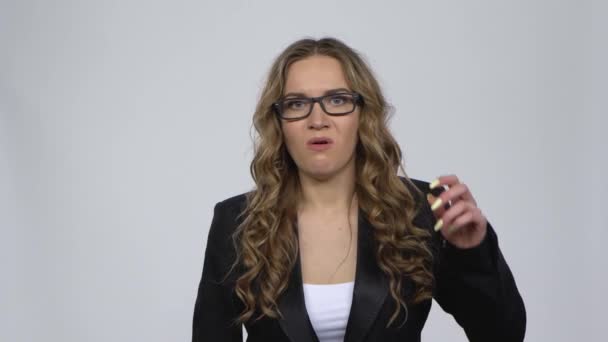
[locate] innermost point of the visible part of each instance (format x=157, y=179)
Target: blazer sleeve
x=214, y=310
x=477, y=287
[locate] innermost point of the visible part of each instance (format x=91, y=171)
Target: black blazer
x=474, y=285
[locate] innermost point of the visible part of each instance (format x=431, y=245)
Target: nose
x=317, y=117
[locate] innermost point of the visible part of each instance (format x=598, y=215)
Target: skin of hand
x=462, y=223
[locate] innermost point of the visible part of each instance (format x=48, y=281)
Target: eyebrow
x=327, y=92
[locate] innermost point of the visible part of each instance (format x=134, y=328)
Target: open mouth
x=320, y=144
x=320, y=141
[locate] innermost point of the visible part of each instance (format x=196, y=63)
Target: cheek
x=353, y=128
x=290, y=136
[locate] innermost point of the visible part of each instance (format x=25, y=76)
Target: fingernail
x=438, y=225
x=436, y=204
x=434, y=184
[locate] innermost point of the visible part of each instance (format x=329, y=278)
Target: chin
x=320, y=173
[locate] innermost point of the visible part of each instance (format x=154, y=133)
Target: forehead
x=314, y=75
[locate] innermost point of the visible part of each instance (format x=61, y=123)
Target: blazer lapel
x=370, y=290
x=371, y=285
x=296, y=323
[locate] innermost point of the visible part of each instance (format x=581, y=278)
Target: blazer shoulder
x=420, y=184
x=416, y=184
x=419, y=188
x=236, y=202
x=220, y=251
x=227, y=215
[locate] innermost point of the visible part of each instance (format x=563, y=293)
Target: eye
x=338, y=100
x=294, y=104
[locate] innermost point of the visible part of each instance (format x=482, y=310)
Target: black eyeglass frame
x=357, y=100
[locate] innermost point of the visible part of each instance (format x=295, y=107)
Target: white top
x=328, y=306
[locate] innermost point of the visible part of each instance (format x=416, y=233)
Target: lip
x=319, y=147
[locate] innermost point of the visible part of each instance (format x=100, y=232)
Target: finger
x=464, y=220
x=448, y=180
x=439, y=211
x=448, y=217
x=455, y=193
x=471, y=216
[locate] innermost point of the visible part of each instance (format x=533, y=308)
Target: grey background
x=123, y=122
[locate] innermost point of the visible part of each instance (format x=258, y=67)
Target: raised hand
x=462, y=224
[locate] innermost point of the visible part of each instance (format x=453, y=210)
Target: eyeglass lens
x=332, y=104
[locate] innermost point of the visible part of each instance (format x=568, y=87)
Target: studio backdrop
x=122, y=123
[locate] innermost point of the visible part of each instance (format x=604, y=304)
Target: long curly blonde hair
x=266, y=240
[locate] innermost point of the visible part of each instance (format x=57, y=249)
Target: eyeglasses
x=296, y=108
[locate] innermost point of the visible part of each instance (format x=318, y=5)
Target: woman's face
x=311, y=77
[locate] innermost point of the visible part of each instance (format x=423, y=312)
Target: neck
x=330, y=195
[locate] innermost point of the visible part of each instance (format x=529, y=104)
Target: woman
x=333, y=245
